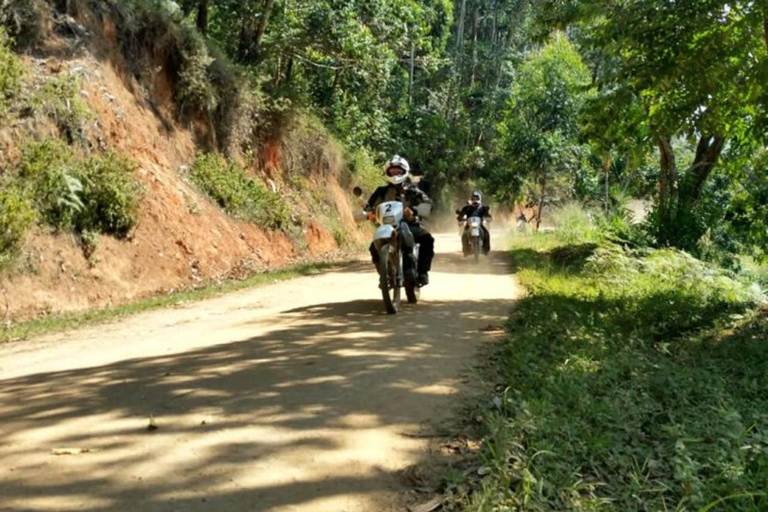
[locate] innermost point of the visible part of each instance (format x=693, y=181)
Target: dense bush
x=48, y=170
x=10, y=72
x=24, y=20
x=240, y=195
x=97, y=194
x=110, y=195
x=59, y=99
x=16, y=216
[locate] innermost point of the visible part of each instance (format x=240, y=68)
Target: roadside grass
x=69, y=321
x=632, y=381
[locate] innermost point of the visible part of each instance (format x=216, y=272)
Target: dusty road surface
x=298, y=396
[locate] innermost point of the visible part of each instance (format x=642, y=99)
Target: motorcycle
x=398, y=251
x=472, y=228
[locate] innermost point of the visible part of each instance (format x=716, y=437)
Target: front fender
x=384, y=232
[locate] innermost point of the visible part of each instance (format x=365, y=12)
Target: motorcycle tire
x=412, y=290
x=476, y=243
x=412, y=293
x=388, y=272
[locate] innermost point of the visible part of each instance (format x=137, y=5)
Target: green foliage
x=24, y=20
x=97, y=194
x=16, y=217
x=669, y=73
x=539, y=132
x=59, y=98
x=575, y=224
x=621, y=390
x=363, y=170
x=49, y=170
x=237, y=193
x=196, y=92
x=11, y=73
x=110, y=196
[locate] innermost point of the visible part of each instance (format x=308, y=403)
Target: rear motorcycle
x=472, y=229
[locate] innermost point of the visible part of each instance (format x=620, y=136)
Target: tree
x=539, y=134
x=681, y=70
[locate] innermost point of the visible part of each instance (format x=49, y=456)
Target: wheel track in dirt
x=298, y=396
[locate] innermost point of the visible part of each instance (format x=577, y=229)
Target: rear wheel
x=390, y=291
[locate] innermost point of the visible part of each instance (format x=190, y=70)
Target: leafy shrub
x=24, y=20
x=16, y=216
x=10, y=73
x=238, y=194
x=110, y=196
x=98, y=194
x=59, y=98
x=363, y=171
x=48, y=169
x=196, y=92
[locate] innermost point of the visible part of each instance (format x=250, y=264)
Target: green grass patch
x=633, y=381
x=64, y=322
x=237, y=193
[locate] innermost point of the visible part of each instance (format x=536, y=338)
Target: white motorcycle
x=397, y=267
x=472, y=229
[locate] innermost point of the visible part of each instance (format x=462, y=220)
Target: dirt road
x=299, y=396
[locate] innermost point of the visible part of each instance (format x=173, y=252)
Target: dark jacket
x=471, y=210
x=409, y=195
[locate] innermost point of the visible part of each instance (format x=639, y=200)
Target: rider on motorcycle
x=396, y=173
x=475, y=208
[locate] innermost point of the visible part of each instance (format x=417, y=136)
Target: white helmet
x=477, y=198
x=399, y=170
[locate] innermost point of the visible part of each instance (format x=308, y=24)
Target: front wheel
x=412, y=292
x=388, y=272
x=476, y=243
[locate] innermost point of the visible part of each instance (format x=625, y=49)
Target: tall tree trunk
x=667, y=188
x=542, y=196
x=707, y=154
x=334, y=86
x=202, y=17
x=475, y=28
x=289, y=71
x=460, y=29
x=244, y=42
x=765, y=25
x=265, y=12
x=411, y=72
x=606, y=170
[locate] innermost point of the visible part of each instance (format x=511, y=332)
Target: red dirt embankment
x=182, y=239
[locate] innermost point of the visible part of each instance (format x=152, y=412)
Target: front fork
x=404, y=241
x=410, y=254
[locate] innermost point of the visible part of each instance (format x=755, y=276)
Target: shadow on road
x=334, y=368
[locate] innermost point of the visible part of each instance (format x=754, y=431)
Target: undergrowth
x=58, y=98
x=57, y=187
x=237, y=193
x=11, y=73
x=206, y=83
x=633, y=381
